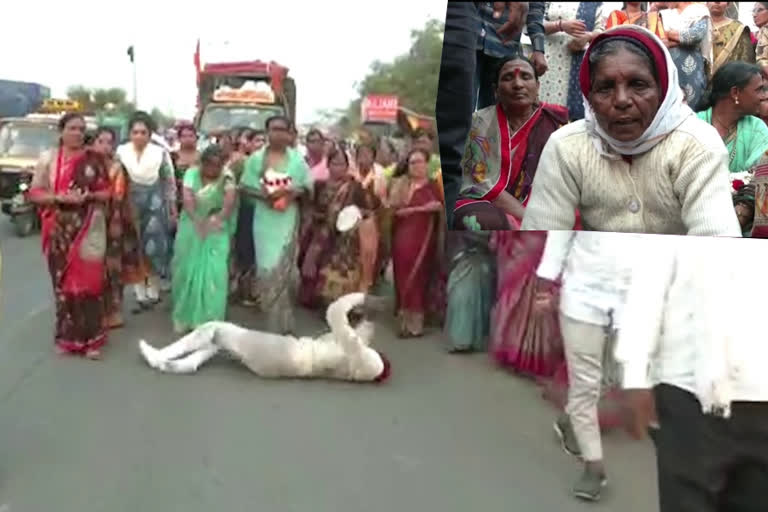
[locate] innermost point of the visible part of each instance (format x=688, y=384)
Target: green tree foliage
x=412, y=77
x=101, y=100
x=113, y=101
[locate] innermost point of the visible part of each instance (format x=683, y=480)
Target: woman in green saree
x=276, y=220
x=201, y=251
x=737, y=91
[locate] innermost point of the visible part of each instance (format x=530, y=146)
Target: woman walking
x=153, y=198
x=276, y=220
x=71, y=187
x=201, y=251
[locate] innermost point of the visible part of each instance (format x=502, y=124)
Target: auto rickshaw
x=22, y=140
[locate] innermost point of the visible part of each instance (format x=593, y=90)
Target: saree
x=338, y=267
x=693, y=56
x=523, y=339
x=243, y=264
x=731, y=42
x=151, y=200
x=470, y=291
x=749, y=144
x=760, y=184
x=123, y=256
x=587, y=12
x=415, y=242
x=496, y=160
x=649, y=20
x=275, y=241
x=74, y=242
x=369, y=231
x=201, y=265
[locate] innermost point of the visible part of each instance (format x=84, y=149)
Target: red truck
x=242, y=94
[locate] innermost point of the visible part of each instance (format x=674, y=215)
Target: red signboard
x=379, y=109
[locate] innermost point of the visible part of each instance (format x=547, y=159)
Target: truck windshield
x=26, y=140
x=223, y=117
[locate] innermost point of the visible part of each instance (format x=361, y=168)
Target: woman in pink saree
x=524, y=338
x=417, y=233
x=71, y=186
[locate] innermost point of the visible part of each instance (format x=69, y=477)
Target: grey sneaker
x=590, y=485
x=564, y=431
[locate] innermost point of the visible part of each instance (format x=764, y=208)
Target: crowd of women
x=249, y=219
x=644, y=121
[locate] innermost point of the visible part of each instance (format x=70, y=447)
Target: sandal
x=93, y=354
x=142, y=306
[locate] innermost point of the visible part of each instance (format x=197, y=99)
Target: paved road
x=448, y=433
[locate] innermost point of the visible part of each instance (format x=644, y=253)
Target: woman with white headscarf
x=641, y=161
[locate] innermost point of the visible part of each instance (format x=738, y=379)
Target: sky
x=327, y=45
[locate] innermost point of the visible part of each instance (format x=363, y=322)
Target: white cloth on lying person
x=344, y=353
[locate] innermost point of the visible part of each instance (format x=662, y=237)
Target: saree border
x=508, y=159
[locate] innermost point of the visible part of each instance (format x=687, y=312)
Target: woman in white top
x=153, y=194
x=641, y=161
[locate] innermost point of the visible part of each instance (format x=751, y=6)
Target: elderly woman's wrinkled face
x=625, y=96
x=517, y=85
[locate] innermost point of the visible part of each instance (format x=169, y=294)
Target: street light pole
x=132, y=56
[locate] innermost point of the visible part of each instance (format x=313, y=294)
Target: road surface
x=448, y=433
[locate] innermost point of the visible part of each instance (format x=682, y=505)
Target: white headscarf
x=671, y=114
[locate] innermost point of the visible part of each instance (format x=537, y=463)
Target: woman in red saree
x=416, y=236
x=503, y=149
x=71, y=187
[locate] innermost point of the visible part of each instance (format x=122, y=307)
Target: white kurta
x=596, y=271
x=344, y=353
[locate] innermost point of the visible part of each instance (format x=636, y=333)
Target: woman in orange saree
x=416, y=237
x=70, y=186
x=633, y=14
x=123, y=255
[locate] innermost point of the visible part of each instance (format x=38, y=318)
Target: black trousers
x=485, y=75
x=455, y=99
x=710, y=464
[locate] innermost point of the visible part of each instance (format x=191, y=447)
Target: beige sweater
x=680, y=186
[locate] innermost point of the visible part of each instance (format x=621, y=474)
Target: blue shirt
x=489, y=41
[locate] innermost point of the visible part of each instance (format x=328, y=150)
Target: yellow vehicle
x=22, y=140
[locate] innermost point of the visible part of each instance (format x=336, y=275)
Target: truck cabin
x=245, y=94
